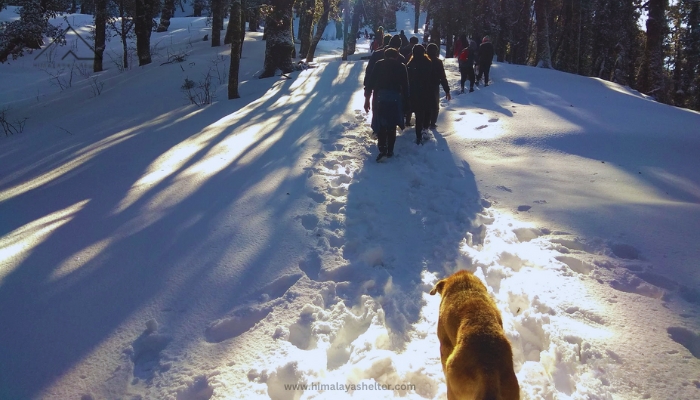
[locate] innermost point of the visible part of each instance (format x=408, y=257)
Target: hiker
x=459, y=45
x=406, y=52
x=438, y=78
x=465, y=61
x=388, y=87
x=474, y=56
x=391, y=42
x=404, y=39
x=419, y=80
x=485, y=59
x=378, y=40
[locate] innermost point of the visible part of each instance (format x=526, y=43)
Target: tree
x=217, y=11
x=237, y=32
x=166, y=13
x=544, y=57
x=306, y=24
x=100, y=33
x=651, y=78
x=121, y=22
x=320, y=27
x=144, y=12
x=279, y=44
x=416, y=14
x=28, y=32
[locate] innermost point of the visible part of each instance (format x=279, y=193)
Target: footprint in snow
x=493, y=120
x=481, y=127
x=507, y=189
x=309, y=221
x=687, y=338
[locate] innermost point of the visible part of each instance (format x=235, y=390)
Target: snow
x=153, y=249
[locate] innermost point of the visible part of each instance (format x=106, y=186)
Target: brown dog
x=476, y=356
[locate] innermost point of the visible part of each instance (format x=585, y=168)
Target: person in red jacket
x=460, y=43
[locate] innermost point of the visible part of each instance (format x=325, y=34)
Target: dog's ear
x=438, y=287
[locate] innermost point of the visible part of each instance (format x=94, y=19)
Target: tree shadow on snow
x=159, y=247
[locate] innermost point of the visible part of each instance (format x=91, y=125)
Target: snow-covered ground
x=153, y=249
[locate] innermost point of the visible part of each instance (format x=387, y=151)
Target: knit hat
x=486, y=39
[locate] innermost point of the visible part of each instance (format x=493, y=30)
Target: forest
x=652, y=46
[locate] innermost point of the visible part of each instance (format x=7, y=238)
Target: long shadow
x=406, y=216
x=211, y=245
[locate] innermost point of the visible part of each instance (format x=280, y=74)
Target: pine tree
x=28, y=32
x=651, y=78
x=544, y=55
x=279, y=44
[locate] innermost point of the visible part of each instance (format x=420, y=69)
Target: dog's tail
x=491, y=386
x=499, y=387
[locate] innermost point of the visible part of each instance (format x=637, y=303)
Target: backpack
x=464, y=55
x=463, y=58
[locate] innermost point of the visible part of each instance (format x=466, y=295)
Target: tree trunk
x=254, y=20
x=244, y=18
x=651, y=73
x=87, y=7
x=692, y=71
x=216, y=25
x=124, y=33
x=320, y=27
x=416, y=7
x=143, y=22
x=100, y=33
x=449, y=46
x=236, y=45
x=346, y=22
x=435, y=34
x=198, y=5
x=544, y=57
x=306, y=24
x=354, y=26
x=166, y=13
x=279, y=45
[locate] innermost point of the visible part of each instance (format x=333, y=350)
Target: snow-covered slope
x=153, y=249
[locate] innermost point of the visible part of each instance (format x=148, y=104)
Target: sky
x=154, y=249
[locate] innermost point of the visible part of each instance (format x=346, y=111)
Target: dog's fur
x=476, y=356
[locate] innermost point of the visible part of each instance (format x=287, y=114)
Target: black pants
x=484, y=70
x=434, y=105
x=422, y=120
x=386, y=137
x=467, y=73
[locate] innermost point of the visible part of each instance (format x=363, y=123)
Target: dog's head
x=460, y=279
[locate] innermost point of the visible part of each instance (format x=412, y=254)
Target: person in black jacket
x=438, y=78
x=485, y=59
x=393, y=42
x=388, y=87
x=406, y=52
x=420, y=82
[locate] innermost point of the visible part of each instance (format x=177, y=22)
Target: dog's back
x=476, y=355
